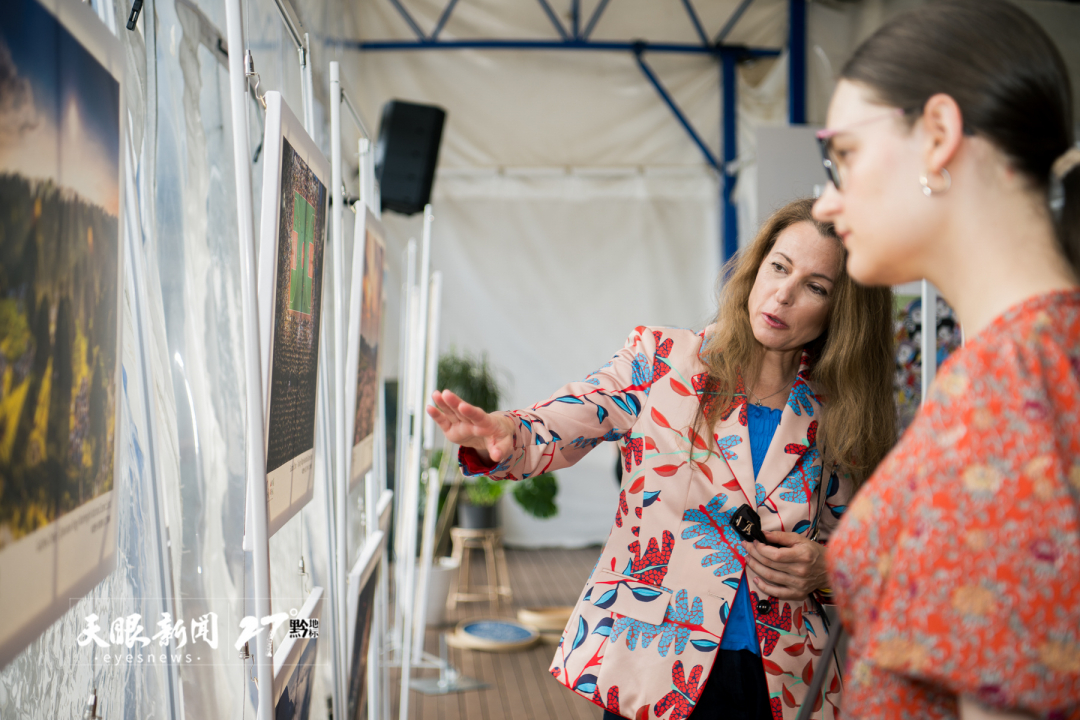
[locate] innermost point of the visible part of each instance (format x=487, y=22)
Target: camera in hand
x=748, y=524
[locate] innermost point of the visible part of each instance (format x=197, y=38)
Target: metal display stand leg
x=419, y=361
x=254, y=446
x=449, y=681
x=928, y=350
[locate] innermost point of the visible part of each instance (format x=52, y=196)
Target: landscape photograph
x=371, y=305
x=59, y=271
x=297, y=298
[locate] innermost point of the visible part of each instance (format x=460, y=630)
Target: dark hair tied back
x=1004, y=72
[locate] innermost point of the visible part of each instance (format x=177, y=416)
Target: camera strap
x=823, y=490
x=822, y=670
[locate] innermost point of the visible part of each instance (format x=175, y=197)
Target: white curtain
x=548, y=274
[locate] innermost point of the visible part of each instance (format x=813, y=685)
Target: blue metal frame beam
x=594, y=19
x=689, y=5
x=797, y=62
x=662, y=91
x=729, y=118
x=408, y=19
x=730, y=151
x=730, y=24
x=442, y=19
x=553, y=18
x=679, y=48
x=728, y=55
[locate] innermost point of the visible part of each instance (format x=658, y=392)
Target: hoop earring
x=928, y=191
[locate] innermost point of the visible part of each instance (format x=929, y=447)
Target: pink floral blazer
x=648, y=623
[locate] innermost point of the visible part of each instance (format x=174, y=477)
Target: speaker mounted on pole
x=406, y=154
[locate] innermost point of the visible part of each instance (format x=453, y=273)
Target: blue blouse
x=740, y=632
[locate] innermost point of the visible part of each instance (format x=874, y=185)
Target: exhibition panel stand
x=929, y=336
x=339, y=558
x=253, y=437
x=433, y=478
x=408, y=510
x=273, y=499
x=360, y=418
x=419, y=363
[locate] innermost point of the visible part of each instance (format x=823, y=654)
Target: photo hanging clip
x=249, y=72
x=133, y=16
x=90, y=712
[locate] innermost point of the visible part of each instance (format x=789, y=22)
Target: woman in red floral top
x=957, y=567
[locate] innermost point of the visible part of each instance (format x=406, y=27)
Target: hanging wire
x=303, y=570
x=245, y=15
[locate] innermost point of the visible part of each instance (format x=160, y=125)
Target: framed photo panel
x=365, y=332
x=363, y=582
x=292, y=238
x=384, y=509
x=61, y=216
x=294, y=662
x=908, y=324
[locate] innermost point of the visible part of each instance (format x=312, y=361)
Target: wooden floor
x=520, y=687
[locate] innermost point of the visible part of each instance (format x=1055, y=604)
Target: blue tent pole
x=797, y=62
x=670, y=102
x=729, y=126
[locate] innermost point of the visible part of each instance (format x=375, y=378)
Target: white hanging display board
x=59, y=438
x=292, y=240
x=294, y=661
x=434, y=481
x=363, y=365
x=359, y=452
x=422, y=298
x=362, y=587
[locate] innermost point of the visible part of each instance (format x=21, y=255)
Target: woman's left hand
x=790, y=572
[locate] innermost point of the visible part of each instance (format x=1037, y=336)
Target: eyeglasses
x=828, y=156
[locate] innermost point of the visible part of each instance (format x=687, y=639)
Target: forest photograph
x=59, y=271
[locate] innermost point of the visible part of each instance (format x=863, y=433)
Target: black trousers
x=736, y=690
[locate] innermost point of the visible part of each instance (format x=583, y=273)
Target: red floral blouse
x=957, y=567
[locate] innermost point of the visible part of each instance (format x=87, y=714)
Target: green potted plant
x=473, y=380
x=477, y=509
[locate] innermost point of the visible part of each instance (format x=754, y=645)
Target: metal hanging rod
x=595, y=45
x=292, y=23
x=357, y=118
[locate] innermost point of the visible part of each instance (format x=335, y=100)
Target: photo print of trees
x=371, y=307
x=59, y=271
x=298, y=300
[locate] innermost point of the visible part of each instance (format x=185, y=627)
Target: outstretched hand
x=490, y=434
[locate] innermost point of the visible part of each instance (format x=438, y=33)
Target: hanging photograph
x=60, y=293
x=908, y=329
x=292, y=238
x=294, y=662
x=369, y=262
x=363, y=582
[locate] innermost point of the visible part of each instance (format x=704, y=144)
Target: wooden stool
x=490, y=542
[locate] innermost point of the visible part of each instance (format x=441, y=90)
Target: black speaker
x=405, y=156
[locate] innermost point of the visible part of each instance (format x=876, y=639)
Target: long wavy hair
x=852, y=361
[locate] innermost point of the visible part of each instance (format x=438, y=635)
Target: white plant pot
x=442, y=574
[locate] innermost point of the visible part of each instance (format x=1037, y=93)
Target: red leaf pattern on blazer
x=653, y=565
x=684, y=693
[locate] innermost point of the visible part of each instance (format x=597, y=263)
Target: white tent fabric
x=548, y=274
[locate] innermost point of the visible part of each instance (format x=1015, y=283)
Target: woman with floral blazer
x=660, y=629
